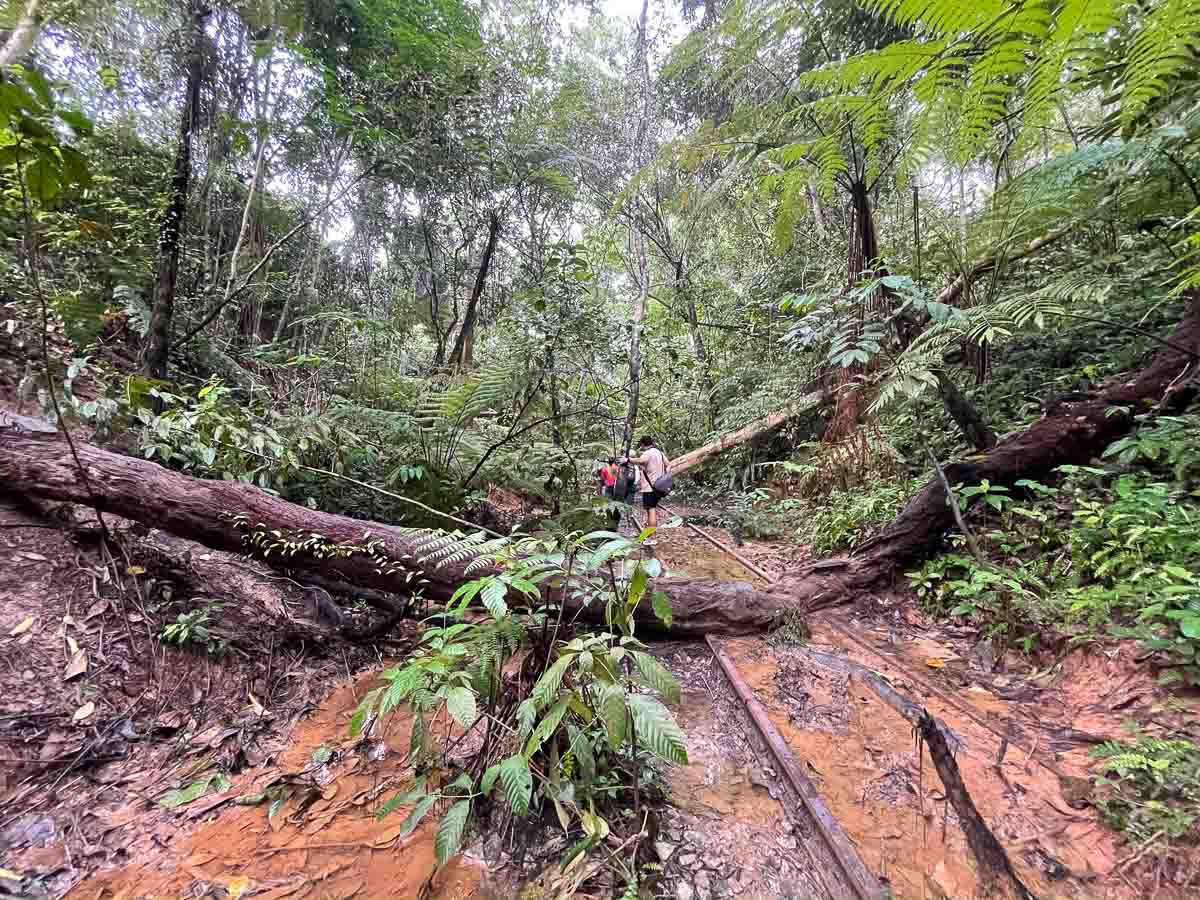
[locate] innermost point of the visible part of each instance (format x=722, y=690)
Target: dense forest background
x=361, y=253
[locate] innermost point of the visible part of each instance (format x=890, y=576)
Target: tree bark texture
x=222, y=514
x=158, y=339
x=22, y=38
x=463, y=354
x=863, y=254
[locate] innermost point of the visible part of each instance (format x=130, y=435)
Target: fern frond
x=1163, y=51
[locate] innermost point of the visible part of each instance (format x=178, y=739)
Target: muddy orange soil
x=324, y=843
x=884, y=790
x=886, y=794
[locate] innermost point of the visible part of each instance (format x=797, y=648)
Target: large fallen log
x=757, y=428
x=1070, y=433
x=222, y=514
x=231, y=516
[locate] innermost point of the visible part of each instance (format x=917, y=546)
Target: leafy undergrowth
x=569, y=726
x=1150, y=788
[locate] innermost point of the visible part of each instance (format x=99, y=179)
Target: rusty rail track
x=855, y=881
x=1008, y=735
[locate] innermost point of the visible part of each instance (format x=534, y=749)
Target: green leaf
x=460, y=703
x=656, y=675
x=1190, y=627
x=418, y=813
x=42, y=179
x=526, y=715
x=450, y=831
x=214, y=783
x=612, y=711
x=75, y=169
x=581, y=746
x=547, y=686
x=489, y=779
x=518, y=783
x=656, y=730
x=41, y=87
x=79, y=122
x=409, y=797
x=546, y=727
x=637, y=586
x=364, y=709
x=662, y=607
x=493, y=597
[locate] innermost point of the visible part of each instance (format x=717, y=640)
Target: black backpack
x=626, y=485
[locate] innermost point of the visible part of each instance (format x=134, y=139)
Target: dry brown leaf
x=255, y=705
x=77, y=666
x=84, y=712
x=72, y=646
x=935, y=663
x=135, y=570
x=23, y=627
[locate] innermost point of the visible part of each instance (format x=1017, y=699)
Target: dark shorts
x=650, y=499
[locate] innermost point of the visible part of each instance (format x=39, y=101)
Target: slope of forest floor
x=284, y=790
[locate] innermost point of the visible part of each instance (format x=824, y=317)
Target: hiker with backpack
x=655, y=481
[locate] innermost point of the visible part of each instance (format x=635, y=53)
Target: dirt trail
x=727, y=832
x=324, y=843
x=887, y=796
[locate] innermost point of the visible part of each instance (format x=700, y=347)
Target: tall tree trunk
x=435, y=300
x=158, y=338
x=262, y=104
x=864, y=251
x=637, y=241
x=463, y=354
x=22, y=38
x=697, y=339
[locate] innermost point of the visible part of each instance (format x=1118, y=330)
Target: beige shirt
x=652, y=466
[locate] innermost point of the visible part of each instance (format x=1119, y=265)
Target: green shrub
x=1153, y=787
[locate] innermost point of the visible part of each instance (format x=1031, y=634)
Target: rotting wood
x=995, y=870
x=857, y=881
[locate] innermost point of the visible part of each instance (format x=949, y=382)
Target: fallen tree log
x=220, y=514
x=1073, y=432
x=256, y=598
x=757, y=428
x=228, y=515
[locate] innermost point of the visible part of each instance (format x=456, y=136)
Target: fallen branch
x=995, y=869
